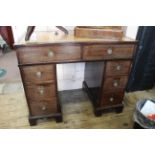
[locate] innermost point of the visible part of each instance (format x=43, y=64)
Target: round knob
x=50, y=54
x=41, y=91
x=118, y=67
x=43, y=108
x=38, y=74
x=109, y=51
x=115, y=84
x=111, y=99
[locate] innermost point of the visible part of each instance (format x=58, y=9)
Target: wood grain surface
x=99, y=52
x=49, y=54
x=95, y=32
x=114, y=68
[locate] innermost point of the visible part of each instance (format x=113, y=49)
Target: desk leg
x=119, y=109
x=92, y=98
x=32, y=121
x=59, y=119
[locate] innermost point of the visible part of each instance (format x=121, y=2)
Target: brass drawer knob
x=111, y=99
x=50, y=54
x=41, y=91
x=38, y=74
x=115, y=84
x=109, y=51
x=118, y=67
x=43, y=108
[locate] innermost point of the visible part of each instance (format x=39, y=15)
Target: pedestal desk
x=107, y=67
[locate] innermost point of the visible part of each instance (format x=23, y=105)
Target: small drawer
x=28, y=55
x=115, y=83
x=38, y=74
x=114, y=68
x=40, y=92
x=112, y=98
x=43, y=108
x=103, y=52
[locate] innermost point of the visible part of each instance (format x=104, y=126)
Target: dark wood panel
x=112, y=98
x=121, y=67
x=43, y=108
x=99, y=52
x=49, y=54
x=39, y=74
x=115, y=83
x=41, y=92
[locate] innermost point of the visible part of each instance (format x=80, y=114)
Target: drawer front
x=43, y=108
x=53, y=53
x=102, y=52
x=38, y=74
x=115, y=83
x=114, y=68
x=40, y=92
x=112, y=98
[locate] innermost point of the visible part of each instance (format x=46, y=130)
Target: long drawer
x=43, y=107
x=38, y=74
x=103, y=52
x=28, y=55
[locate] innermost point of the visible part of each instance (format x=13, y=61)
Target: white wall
x=71, y=75
x=132, y=31
x=19, y=32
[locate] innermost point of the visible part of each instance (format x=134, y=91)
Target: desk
x=108, y=64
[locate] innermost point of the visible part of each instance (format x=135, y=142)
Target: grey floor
x=8, y=62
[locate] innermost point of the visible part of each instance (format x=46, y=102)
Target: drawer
x=114, y=68
x=38, y=74
x=102, y=52
x=43, y=108
x=28, y=55
x=40, y=92
x=115, y=83
x=112, y=98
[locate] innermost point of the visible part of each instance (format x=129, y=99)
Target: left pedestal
x=40, y=86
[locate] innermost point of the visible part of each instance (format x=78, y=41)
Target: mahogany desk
x=108, y=64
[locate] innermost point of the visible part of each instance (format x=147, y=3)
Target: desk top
x=42, y=37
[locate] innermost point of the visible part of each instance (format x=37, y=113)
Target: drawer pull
x=50, y=54
x=43, y=108
x=115, y=84
x=38, y=74
x=111, y=99
x=109, y=51
x=41, y=91
x=118, y=67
